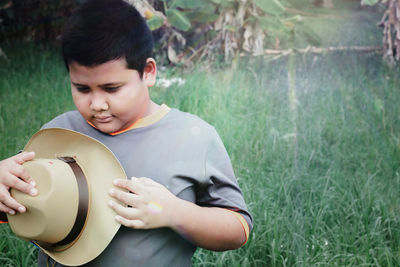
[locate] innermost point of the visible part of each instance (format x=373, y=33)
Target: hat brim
x=101, y=167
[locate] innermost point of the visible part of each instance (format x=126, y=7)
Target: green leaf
x=155, y=22
x=204, y=13
x=205, y=7
x=178, y=19
x=190, y=3
x=202, y=17
x=369, y=2
x=273, y=7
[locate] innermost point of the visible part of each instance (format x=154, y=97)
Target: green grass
x=322, y=182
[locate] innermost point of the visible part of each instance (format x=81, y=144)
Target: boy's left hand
x=150, y=204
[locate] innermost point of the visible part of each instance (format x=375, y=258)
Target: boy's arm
x=151, y=205
x=211, y=228
x=14, y=175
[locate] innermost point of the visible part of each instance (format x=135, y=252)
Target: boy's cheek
x=80, y=100
x=83, y=109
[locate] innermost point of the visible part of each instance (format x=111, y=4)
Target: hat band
x=82, y=208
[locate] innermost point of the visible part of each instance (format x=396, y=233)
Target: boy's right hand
x=14, y=175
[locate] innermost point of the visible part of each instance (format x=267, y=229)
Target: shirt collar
x=143, y=122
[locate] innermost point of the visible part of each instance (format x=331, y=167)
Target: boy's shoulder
x=187, y=117
x=70, y=120
x=185, y=120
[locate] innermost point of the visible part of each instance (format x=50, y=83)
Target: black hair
x=102, y=30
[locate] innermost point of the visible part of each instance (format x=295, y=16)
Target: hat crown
x=50, y=215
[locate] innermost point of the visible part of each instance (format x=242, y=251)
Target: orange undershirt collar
x=145, y=121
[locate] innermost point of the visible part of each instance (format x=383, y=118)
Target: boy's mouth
x=103, y=119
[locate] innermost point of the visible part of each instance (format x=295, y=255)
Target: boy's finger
x=20, y=172
x=9, y=202
x=130, y=185
x=144, y=181
x=24, y=157
x=125, y=197
x=13, y=182
x=137, y=224
x=128, y=213
x=4, y=208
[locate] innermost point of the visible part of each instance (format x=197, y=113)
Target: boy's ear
x=150, y=72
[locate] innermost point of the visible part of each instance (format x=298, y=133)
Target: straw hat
x=69, y=218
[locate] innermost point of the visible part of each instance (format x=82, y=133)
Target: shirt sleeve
x=221, y=188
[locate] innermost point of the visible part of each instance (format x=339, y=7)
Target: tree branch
x=322, y=50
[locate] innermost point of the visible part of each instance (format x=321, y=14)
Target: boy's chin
x=106, y=127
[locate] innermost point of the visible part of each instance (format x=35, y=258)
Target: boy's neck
x=151, y=109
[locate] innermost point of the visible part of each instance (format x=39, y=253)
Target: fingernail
x=110, y=203
x=21, y=209
x=32, y=183
x=115, y=182
x=11, y=212
x=33, y=192
x=111, y=191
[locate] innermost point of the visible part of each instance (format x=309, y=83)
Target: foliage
x=391, y=28
x=208, y=28
x=187, y=29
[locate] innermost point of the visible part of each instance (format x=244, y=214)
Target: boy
x=187, y=195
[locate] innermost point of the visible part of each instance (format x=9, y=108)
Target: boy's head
x=107, y=48
x=103, y=30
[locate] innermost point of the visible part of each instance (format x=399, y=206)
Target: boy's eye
x=111, y=89
x=83, y=89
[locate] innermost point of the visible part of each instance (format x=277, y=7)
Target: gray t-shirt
x=183, y=153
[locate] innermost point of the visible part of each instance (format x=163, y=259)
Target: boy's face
x=110, y=96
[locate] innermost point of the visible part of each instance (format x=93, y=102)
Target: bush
x=191, y=29
x=37, y=20
x=186, y=29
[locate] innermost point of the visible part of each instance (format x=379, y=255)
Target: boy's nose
x=98, y=103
